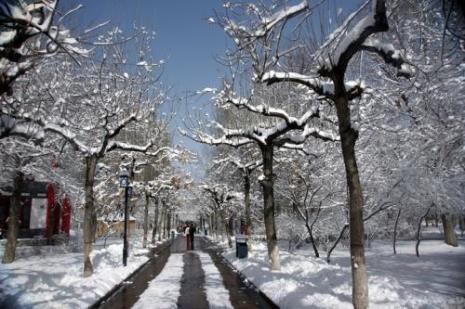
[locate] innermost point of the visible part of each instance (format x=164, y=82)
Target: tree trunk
x=13, y=220
x=155, y=222
x=89, y=213
x=312, y=239
x=310, y=229
x=212, y=224
x=417, y=245
x=227, y=228
x=94, y=226
x=449, y=234
x=146, y=220
x=341, y=234
x=248, y=217
x=357, y=252
x=168, y=223
x=462, y=225
x=268, y=198
x=394, y=237
x=228, y=234
x=160, y=222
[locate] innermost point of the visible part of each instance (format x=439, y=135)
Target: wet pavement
x=128, y=293
x=192, y=291
x=192, y=283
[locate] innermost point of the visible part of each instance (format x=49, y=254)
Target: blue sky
x=184, y=37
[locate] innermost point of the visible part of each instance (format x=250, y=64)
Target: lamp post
x=124, y=183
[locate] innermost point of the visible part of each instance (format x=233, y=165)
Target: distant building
x=41, y=212
x=113, y=225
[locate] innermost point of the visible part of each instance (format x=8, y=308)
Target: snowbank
x=435, y=280
x=55, y=281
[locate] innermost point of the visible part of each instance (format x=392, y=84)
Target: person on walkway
x=188, y=237
x=192, y=232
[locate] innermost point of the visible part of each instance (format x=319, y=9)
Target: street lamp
x=124, y=183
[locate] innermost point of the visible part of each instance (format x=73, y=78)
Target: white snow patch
x=395, y=281
x=165, y=289
x=55, y=280
x=217, y=294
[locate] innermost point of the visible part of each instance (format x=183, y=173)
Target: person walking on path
x=192, y=232
x=188, y=237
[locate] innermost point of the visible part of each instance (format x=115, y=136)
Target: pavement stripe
x=163, y=291
x=217, y=294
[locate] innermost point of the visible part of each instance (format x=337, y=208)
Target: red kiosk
x=41, y=213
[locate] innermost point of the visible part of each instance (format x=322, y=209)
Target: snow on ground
x=54, y=280
x=217, y=294
x=165, y=288
x=435, y=280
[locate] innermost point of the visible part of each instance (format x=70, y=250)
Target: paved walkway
x=177, y=278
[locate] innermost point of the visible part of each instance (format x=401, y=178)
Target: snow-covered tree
x=30, y=30
x=283, y=130
x=260, y=37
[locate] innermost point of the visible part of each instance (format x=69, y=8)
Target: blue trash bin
x=241, y=246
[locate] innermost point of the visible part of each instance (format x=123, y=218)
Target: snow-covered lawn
x=435, y=280
x=54, y=280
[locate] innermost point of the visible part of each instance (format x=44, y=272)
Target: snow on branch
x=25, y=21
x=122, y=124
x=297, y=138
x=318, y=86
x=9, y=126
x=233, y=138
x=115, y=145
x=266, y=24
x=266, y=110
x=237, y=162
x=286, y=13
x=390, y=55
x=262, y=109
x=249, y=166
x=345, y=43
x=20, y=22
x=70, y=136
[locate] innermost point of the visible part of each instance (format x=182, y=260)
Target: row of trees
x=78, y=113
x=360, y=130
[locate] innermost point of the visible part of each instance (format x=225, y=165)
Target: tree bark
x=227, y=228
x=248, y=218
x=269, y=209
x=155, y=222
x=394, y=237
x=94, y=226
x=168, y=223
x=341, y=234
x=89, y=213
x=13, y=220
x=312, y=239
x=310, y=229
x=146, y=220
x=213, y=225
x=349, y=137
x=449, y=234
x=462, y=224
x=160, y=222
x=417, y=245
